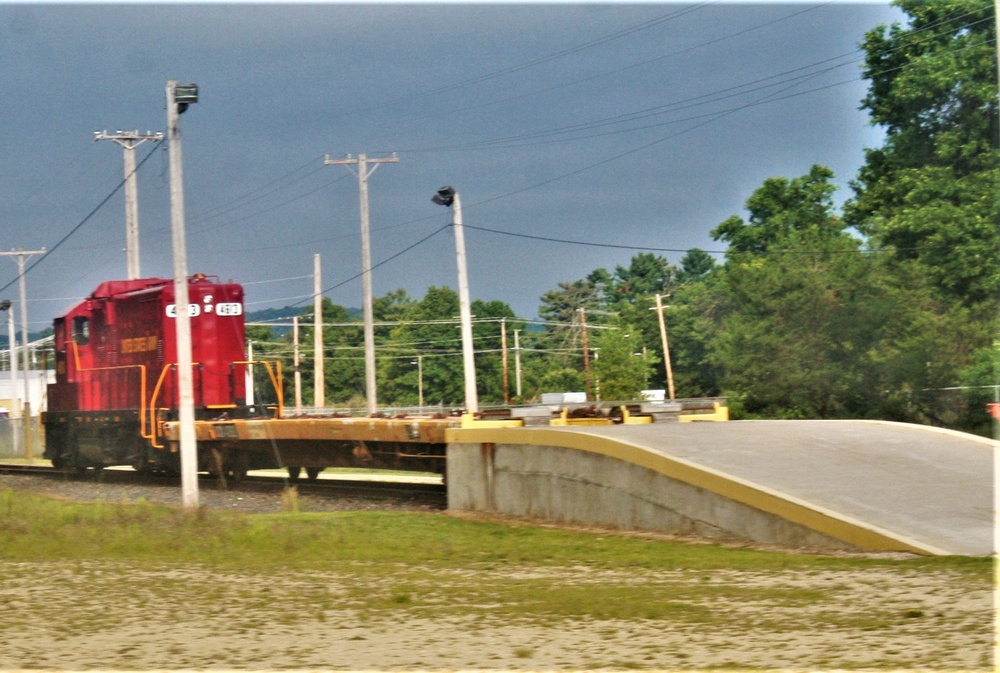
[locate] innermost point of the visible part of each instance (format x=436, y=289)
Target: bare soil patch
x=103, y=615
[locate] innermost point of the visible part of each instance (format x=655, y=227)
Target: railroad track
x=429, y=492
x=374, y=488
x=25, y=469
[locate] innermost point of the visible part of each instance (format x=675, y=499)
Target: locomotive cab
x=116, y=373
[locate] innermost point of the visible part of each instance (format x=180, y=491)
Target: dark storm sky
x=609, y=124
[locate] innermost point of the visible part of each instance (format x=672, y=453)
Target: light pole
x=319, y=375
x=26, y=402
x=178, y=99
x=446, y=196
x=517, y=363
x=12, y=338
x=419, y=362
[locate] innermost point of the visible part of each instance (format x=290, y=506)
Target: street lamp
x=178, y=99
x=12, y=340
x=447, y=196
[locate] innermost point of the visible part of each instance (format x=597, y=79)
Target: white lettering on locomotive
x=222, y=309
x=193, y=311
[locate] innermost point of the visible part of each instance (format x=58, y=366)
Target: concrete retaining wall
x=570, y=485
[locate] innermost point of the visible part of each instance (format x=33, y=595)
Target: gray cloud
x=281, y=85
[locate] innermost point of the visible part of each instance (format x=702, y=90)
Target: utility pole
x=129, y=140
x=248, y=375
x=298, y=373
x=517, y=363
x=420, y=383
x=178, y=99
x=29, y=452
x=503, y=350
x=366, y=266
x=319, y=379
x=586, y=351
x=666, y=347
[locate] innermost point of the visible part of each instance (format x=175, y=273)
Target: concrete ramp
x=848, y=484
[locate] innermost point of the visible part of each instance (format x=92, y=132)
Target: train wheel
x=313, y=472
x=293, y=473
x=139, y=463
x=238, y=466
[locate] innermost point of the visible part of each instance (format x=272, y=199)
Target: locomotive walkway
x=869, y=484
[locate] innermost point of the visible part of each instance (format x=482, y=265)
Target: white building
x=37, y=381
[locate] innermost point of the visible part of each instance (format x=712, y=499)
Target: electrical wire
x=82, y=222
x=219, y=210
x=533, y=62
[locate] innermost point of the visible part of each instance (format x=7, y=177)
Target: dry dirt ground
x=100, y=615
x=105, y=616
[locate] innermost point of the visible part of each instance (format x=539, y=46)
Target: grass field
x=118, y=585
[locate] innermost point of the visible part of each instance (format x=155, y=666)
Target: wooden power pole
x=129, y=140
x=366, y=267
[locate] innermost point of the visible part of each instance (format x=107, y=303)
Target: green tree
x=692, y=319
x=621, y=368
x=389, y=308
x=932, y=347
x=428, y=329
x=800, y=325
x=562, y=305
x=929, y=193
x=265, y=348
x=802, y=307
x=492, y=318
x=343, y=358
x=696, y=266
x=561, y=309
x=781, y=207
x=646, y=275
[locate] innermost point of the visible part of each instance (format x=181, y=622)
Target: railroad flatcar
x=116, y=372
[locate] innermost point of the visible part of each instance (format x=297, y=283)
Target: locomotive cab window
x=81, y=330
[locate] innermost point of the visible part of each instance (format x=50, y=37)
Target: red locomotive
x=116, y=374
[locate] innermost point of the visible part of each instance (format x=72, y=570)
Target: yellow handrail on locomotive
x=276, y=380
x=154, y=419
x=155, y=429
x=142, y=382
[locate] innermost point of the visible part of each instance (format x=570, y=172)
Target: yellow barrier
x=629, y=419
x=564, y=420
x=469, y=421
x=718, y=413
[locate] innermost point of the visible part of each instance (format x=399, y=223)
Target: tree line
x=885, y=309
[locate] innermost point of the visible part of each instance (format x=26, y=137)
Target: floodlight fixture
x=184, y=95
x=444, y=197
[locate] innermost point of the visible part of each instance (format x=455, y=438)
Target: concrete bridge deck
x=869, y=484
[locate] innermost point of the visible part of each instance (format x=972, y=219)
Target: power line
x=383, y=262
x=221, y=209
x=83, y=221
x=533, y=62
x=617, y=71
